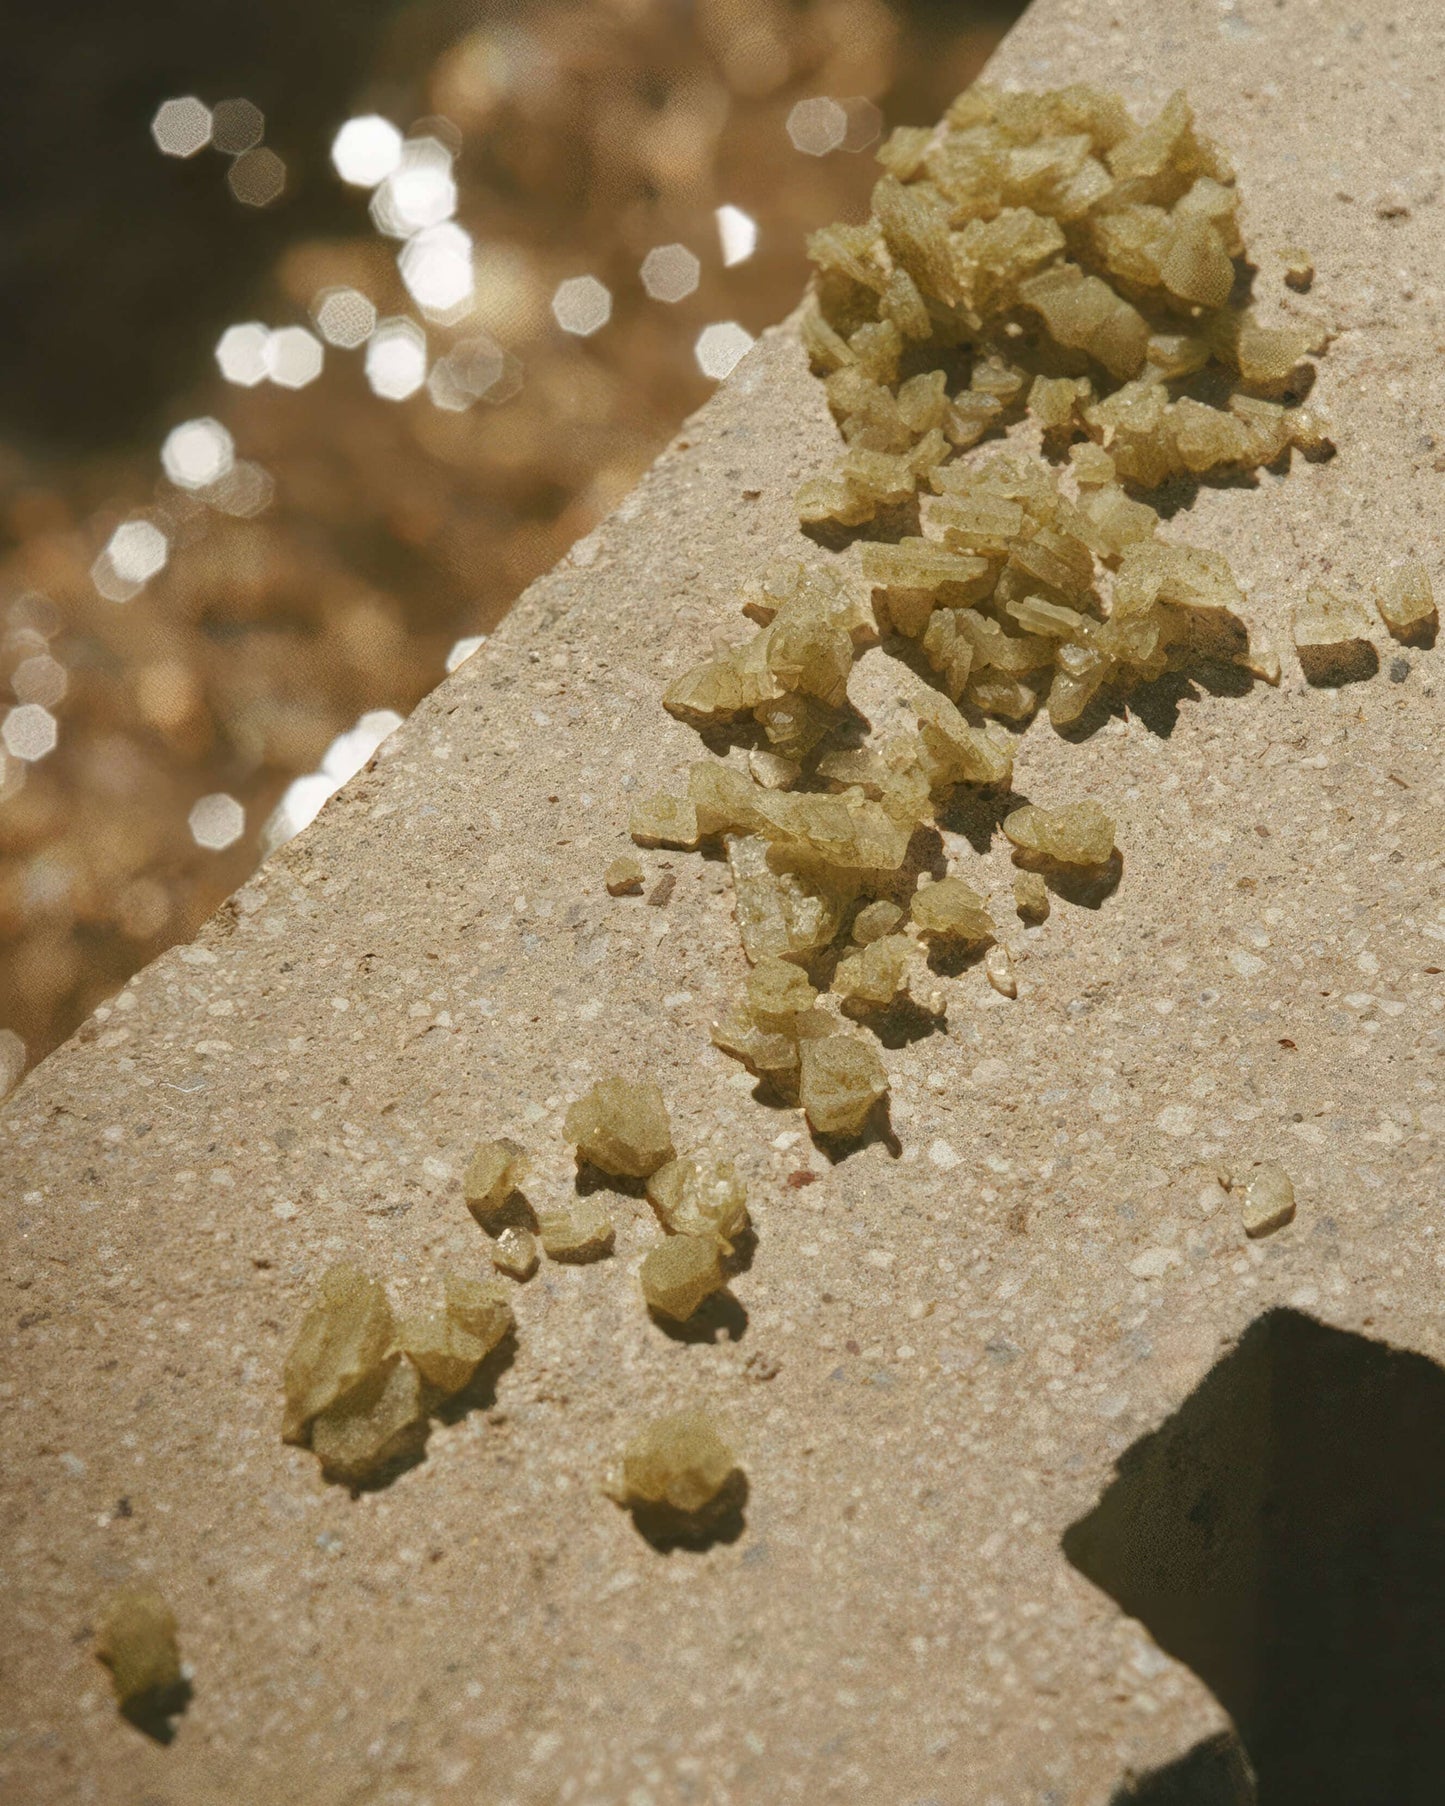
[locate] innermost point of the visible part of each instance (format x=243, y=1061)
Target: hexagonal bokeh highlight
x=396, y=359
x=865, y=123
x=344, y=316
x=366, y=150
x=670, y=273
x=29, y=732
x=436, y=266
x=237, y=125
x=133, y=554
x=241, y=353
x=721, y=348
x=40, y=678
x=217, y=822
x=737, y=234
x=182, y=126
x=817, y=126
x=582, y=305
x=257, y=177
x=419, y=192
x=197, y=453
x=294, y=357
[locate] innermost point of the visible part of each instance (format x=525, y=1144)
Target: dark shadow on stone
x=1157, y=704
x=951, y=959
x=719, y=1318
x=1283, y=1533
x=592, y=1178
x=1086, y=886
x=723, y=1521
x=1329, y=667
x=480, y=1392
x=153, y=1714
x=888, y=525
x=899, y=1025
x=411, y=1455
x=1214, y=1773
x=1423, y=634
x=976, y=814
x=514, y=1212
x=878, y=1128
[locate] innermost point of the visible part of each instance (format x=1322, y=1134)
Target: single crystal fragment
x=876, y=920
x=136, y=1639
x=580, y=1232
x=1299, y=268
x=1266, y=1199
x=479, y=1307
x=1406, y=602
x=376, y=1424
x=515, y=1252
x=1031, y=897
x=679, y=1461
x=623, y=877
x=443, y=1353
x=1331, y=636
x=999, y=967
x=698, y=1196
x=343, y=1338
x=1078, y=834
x=952, y=912
x=842, y=1078
x=772, y=770
x=621, y=1127
x=680, y=1273
x=875, y=977
x=493, y=1174
x=665, y=821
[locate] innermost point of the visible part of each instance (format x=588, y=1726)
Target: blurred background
x=328, y=327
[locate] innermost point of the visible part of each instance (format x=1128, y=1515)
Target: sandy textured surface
x=947, y=1346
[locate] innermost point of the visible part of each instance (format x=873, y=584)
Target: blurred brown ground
x=586, y=135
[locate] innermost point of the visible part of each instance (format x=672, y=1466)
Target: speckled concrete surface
x=946, y=1347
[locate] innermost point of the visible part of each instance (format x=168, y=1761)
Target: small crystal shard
x=1406, y=602
x=1266, y=1199
x=999, y=967
x=621, y=1127
x=842, y=1078
x=343, y=1338
x=680, y=1273
x=582, y=1232
x=875, y=977
x=951, y=911
x=1331, y=636
x=698, y=1196
x=494, y=1172
x=376, y=1424
x=680, y=1461
x=876, y=920
x=480, y=1308
x=623, y=877
x=515, y=1252
x=665, y=821
x=1031, y=897
x=443, y=1353
x=1079, y=834
x=136, y=1639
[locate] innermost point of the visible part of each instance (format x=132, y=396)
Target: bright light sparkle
x=241, y=353
x=817, y=126
x=217, y=822
x=182, y=126
x=40, y=678
x=366, y=150
x=347, y=753
x=582, y=305
x=670, y=273
x=420, y=191
x=396, y=359
x=198, y=453
x=245, y=491
x=721, y=348
x=294, y=357
x=137, y=550
x=29, y=732
x=464, y=649
x=737, y=234
x=436, y=266
x=345, y=316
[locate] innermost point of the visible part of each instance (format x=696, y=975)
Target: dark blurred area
x=402, y=396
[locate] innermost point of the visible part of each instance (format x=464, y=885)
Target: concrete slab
x=946, y=1347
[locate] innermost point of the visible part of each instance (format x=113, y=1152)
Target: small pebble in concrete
x=1266, y=1199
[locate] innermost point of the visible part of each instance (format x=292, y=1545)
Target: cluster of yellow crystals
x=360, y=1385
